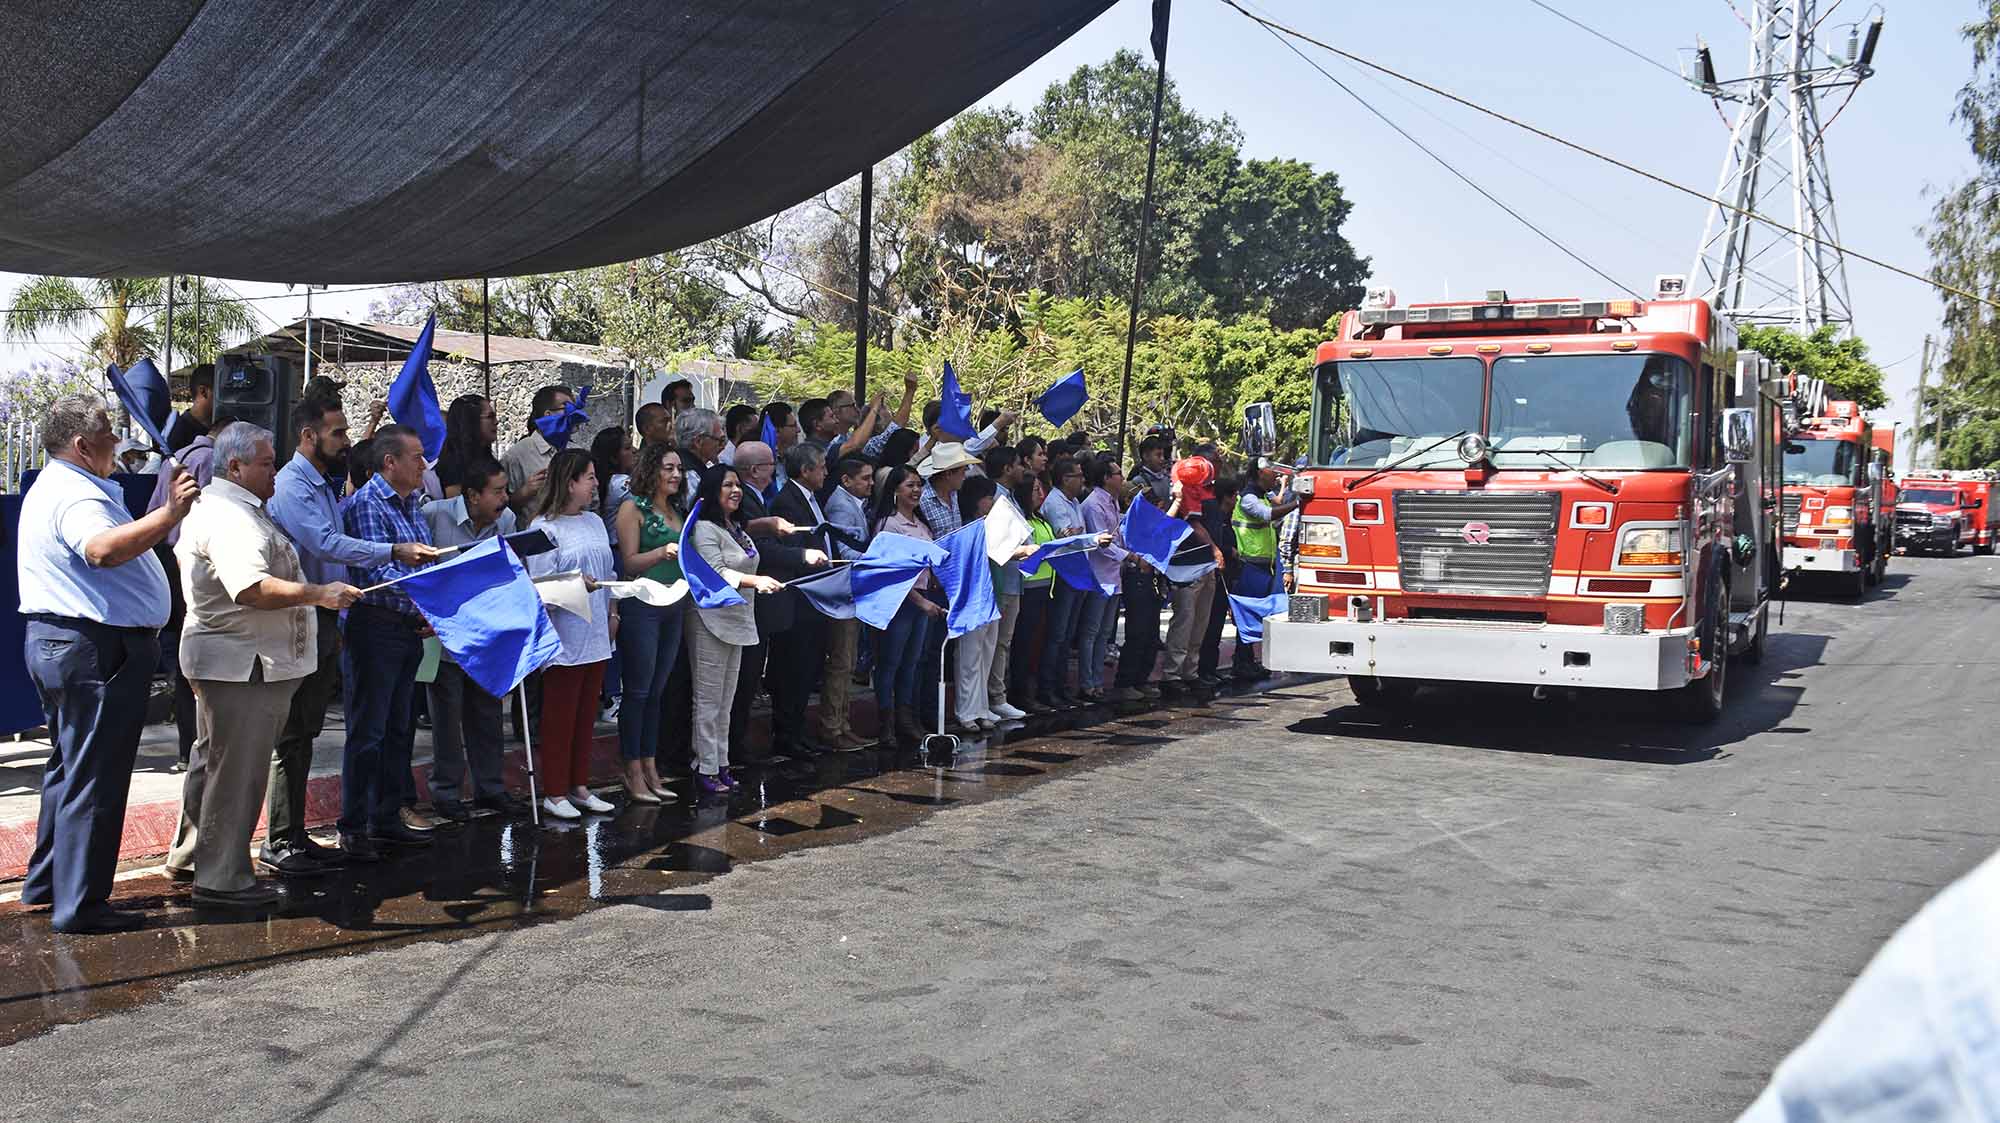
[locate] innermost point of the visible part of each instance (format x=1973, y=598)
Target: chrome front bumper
x=1828, y=560
x=1549, y=655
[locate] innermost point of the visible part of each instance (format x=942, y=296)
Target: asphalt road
x=1277, y=906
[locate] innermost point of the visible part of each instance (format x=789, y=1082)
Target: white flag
x=1006, y=531
x=646, y=590
x=565, y=591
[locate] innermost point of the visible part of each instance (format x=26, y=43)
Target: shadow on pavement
x=1601, y=725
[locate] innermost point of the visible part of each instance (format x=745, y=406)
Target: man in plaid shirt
x=384, y=635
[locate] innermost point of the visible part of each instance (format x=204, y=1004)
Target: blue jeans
x=1094, y=629
x=898, y=658
x=649, y=643
x=1065, y=609
x=378, y=668
x=93, y=682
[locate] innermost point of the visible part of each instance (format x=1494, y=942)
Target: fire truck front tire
x=1701, y=702
x=1376, y=693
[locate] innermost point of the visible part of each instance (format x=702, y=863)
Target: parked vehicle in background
x=1835, y=520
x=1554, y=493
x=1937, y=512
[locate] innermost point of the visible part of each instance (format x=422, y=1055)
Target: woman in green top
x=1021, y=656
x=649, y=638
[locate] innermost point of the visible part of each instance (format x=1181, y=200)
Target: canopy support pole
x=861, y=287
x=486, y=338
x=170, y=332
x=1162, y=10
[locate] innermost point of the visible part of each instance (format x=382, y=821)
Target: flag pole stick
x=528, y=754
x=443, y=551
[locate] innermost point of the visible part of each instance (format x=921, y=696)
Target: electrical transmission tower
x=1776, y=166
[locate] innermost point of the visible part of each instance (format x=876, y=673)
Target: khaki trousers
x=1192, y=603
x=836, y=687
x=1003, y=650
x=715, y=665
x=236, y=724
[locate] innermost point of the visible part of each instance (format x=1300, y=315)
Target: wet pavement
x=1283, y=906
x=494, y=873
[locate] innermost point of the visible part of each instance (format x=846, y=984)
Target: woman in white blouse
x=570, y=684
x=716, y=637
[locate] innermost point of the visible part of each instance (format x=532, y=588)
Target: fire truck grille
x=1480, y=543
x=1791, y=512
x=1916, y=519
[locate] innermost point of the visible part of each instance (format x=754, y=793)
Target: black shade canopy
x=395, y=140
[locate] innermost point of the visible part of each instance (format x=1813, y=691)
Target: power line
x=1448, y=166
x=1582, y=26
x=1608, y=159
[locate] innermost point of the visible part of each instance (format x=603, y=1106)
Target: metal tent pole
x=486, y=339
x=861, y=287
x=1162, y=10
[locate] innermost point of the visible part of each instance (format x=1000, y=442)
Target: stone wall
x=514, y=386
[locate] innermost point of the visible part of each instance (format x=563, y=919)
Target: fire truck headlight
x=1839, y=516
x=1944, y=520
x=1325, y=539
x=1650, y=546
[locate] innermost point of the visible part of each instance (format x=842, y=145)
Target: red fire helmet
x=1197, y=479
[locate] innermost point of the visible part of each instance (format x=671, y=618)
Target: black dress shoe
x=357, y=848
x=256, y=897
x=288, y=861
x=505, y=803
x=452, y=809
x=803, y=750
x=311, y=848
x=400, y=835
x=101, y=919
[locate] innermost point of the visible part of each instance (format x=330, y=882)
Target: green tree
x=1964, y=237
x=1843, y=363
x=123, y=316
x=1974, y=444
x=1272, y=245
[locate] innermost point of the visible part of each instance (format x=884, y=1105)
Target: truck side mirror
x=1260, y=430
x=1739, y=434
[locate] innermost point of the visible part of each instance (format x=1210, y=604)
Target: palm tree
x=124, y=314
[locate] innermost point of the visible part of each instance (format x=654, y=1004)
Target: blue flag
x=705, y=585
x=1060, y=402
x=487, y=614
x=413, y=399
x=135, y=406
x=770, y=434
x=1251, y=612
x=955, y=407
x=556, y=430
x=968, y=580
x=875, y=585
x=1067, y=556
x=1149, y=533
x=149, y=386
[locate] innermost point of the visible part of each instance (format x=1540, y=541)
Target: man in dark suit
x=797, y=662
x=784, y=553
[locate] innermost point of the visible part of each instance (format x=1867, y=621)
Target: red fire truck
x=1551, y=493
x=1940, y=511
x=1835, y=520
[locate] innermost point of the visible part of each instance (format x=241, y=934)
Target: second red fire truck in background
x=1941, y=511
x=1835, y=520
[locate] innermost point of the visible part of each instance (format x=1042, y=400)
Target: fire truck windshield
x=1933, y=496
x=1371, y=412
x=1819, y=463
x=1591, y=411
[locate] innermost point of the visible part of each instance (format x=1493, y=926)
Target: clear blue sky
x=1429, y=236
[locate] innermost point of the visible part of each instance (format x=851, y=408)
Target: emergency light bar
x=1475, y=313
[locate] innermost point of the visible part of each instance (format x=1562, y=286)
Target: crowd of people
x=262, y=588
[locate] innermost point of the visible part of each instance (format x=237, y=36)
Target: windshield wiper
x=1568, y=467
x=1404, y=459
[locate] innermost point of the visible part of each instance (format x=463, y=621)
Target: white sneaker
x=560, y=808
x=590, y=802
x=1009, y=713
x=610, y=712
x=990, y=716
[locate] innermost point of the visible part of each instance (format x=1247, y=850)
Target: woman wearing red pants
x=570, y=684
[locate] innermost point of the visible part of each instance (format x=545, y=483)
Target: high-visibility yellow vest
x=1256, y=539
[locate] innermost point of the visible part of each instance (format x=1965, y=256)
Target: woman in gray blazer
x=718, y=636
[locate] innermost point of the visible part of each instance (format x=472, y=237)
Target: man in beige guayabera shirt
x=250, y=636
